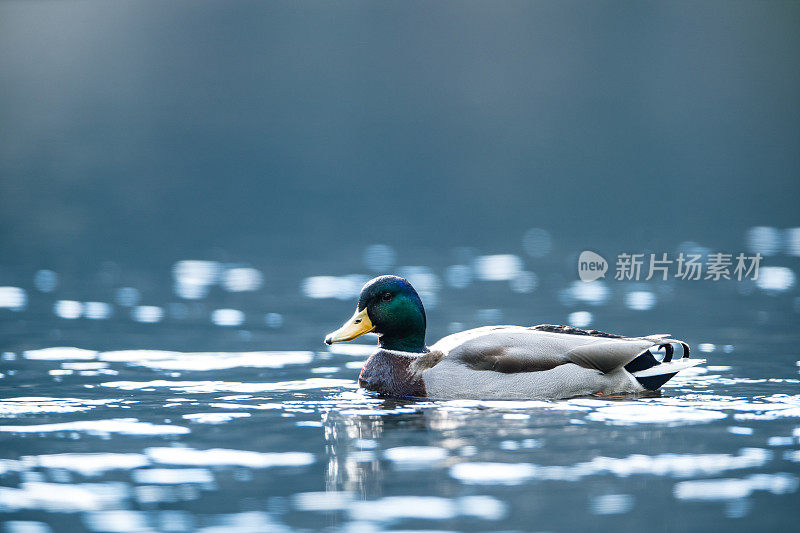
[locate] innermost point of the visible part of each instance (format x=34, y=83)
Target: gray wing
x=516, y=349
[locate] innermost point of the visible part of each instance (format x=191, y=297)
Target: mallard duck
x=498, y=362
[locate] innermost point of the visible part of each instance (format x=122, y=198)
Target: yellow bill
x=358, y=325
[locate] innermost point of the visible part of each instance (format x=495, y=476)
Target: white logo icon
x=591, y=266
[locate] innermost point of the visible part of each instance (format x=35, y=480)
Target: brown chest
x=392, y=374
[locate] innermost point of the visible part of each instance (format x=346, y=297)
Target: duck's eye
x=386, y=296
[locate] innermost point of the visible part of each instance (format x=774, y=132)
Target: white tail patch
x=668, y=368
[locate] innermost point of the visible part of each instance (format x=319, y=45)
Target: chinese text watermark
x=684, y=266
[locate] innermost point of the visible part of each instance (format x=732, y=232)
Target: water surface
x=171, y=415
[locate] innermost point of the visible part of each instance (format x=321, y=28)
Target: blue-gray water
x=192, y=192
x=131, y=411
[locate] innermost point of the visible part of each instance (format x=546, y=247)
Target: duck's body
x=518, y=362
x=499, y=362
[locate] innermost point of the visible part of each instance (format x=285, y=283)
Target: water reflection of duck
x=505, y=362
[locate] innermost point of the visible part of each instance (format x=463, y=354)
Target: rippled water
x=108, y=422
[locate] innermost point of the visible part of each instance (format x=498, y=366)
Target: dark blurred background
x=146, y=131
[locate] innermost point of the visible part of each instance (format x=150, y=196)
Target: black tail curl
x=647, y=360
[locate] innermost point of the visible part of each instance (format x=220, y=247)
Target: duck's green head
x=390, y=307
